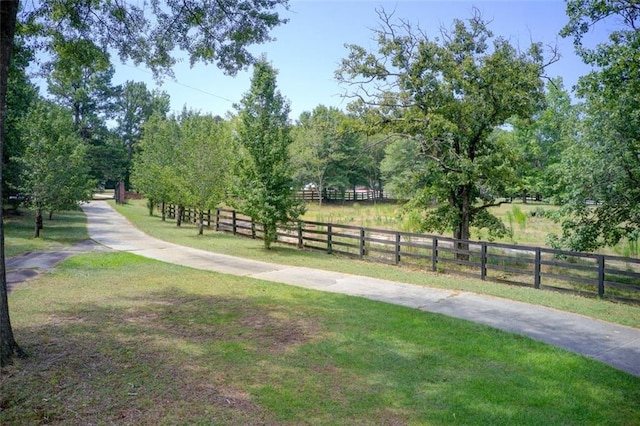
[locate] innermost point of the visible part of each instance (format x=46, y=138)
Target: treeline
x=450, y=126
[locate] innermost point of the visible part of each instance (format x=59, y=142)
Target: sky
x=308, y=49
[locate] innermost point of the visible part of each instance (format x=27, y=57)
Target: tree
x=541, y=142
x=607, y=171
x=211, y=31
x=154, y=167
x=325, y=148
x=134, y=105
x=54, y=174
x=21, y=95
x=205, y=158
x=449, y=94
x=79, y=77
x=266, y=186
x=8, y=345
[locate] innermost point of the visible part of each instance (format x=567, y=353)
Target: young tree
x=154, y=167
x=607, y=169
x=205, y=159
x=54, y=169
x=449, y=94
x=266, y=186
x=145, y=33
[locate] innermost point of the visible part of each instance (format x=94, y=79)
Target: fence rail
x=600, y=275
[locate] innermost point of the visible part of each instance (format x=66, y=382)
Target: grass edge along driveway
x=137, y=213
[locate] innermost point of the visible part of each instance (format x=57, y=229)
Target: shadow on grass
x=271, y=354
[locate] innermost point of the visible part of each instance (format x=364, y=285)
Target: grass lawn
x=65, y=228
x=225, y=243
x=118, y=339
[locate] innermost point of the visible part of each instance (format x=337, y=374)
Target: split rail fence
x=606, y=276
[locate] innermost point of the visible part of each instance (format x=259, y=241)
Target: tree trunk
x=463, y=230
x=179, y=213
x=164, y=211
x=50, y=215
x=38, y=227
x=8, y=15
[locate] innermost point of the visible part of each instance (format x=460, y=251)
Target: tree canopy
x=448, y=94
x=606, y=166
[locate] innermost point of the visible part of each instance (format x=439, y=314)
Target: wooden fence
x=600, y=275
x=333, y=195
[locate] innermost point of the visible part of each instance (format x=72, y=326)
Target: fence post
x=362, y=246
x=233, y=221
x=601, y=275
x=253, y=229
x=300, y=237
x=537, y=267
x=434, y=254
x=397, y=249
x=217, y=219
x=483, y=261
x=209, y=218
x=329, y=238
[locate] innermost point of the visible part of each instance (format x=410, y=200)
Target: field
x=528, y=224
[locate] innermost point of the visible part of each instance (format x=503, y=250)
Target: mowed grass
x=64, y=229
x=118, y=339
x=226, y=243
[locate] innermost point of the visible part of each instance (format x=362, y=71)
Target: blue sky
x=309, y=48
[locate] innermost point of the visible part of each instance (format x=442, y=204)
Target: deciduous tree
x=449, y=93
x=266, y=190
x=55, y=174
x=204, y=163
x=607, y=170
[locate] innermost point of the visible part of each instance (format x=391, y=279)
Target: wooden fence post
x=362, y=246
x=434, y=254
x=300, y=236
x=217, y=219
x=601, y=275
x=397, y=249
x=329, y=238
x=483, y=261
x=537, y=267
x=233, y=221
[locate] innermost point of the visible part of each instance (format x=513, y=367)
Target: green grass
x=225, y=243
x=118, y=339
x=66, y=228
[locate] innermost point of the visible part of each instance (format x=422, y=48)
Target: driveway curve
x=613, y=344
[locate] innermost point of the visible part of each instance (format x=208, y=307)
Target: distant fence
x=612, y=277
x=333, y=195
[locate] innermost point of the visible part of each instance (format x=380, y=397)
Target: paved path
x=21, y=268
x=616, y=345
